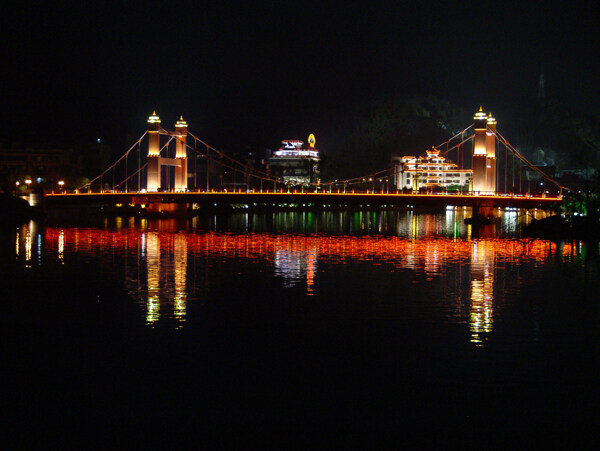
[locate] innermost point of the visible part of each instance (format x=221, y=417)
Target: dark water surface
x=375, y=328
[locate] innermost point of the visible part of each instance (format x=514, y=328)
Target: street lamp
x=61, y=184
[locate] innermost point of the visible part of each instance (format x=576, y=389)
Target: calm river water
x=374, y=327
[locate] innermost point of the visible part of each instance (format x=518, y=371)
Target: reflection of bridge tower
x=179, y=276
x=482, y=291
x=484, y=154
x=155, y=161
x=166, y=274
x=153, y=277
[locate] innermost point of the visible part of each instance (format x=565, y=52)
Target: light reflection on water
x=168, y=265
x=482, y=290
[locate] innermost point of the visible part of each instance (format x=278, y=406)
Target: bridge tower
x=153, y=171
x=490, y=148
x=181, y=155
x=484, y=154
x=155, y=161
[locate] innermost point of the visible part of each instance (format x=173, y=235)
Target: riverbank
x=559, y=228
x=16, y=210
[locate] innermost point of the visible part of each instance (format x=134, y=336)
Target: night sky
x=249, y=74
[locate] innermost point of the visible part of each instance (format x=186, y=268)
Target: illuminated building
x=430, y=171
x=484, y=154
x=295, y=163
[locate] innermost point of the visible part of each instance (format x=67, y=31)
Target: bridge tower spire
x=484, y=153
x=153, y=171
x=181, y=155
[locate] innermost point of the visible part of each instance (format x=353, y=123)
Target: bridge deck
x=319, y=199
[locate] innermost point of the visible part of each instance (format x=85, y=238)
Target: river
x=370, y=326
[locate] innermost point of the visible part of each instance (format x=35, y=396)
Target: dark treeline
x=547, y=133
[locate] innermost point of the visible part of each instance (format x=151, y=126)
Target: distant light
x=38, y=180
x=297, y=153
x=28, y=181
x=61, y=182
x=17, y=183
x=98, y=140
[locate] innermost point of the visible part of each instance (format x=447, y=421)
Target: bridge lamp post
x=61, y=184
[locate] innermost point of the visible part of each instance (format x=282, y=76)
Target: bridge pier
x=167, y=208
x=482, y=211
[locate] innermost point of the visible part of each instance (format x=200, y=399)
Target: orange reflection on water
x=425, y=253
x=162, y=274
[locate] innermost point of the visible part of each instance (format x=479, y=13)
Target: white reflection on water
x=28, y=240
x=61, y=246
x=296, y=262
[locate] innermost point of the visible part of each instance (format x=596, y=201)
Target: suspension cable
x=248, y=172
x=114, y=164
x=530, y=165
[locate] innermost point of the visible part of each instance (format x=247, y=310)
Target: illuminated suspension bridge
x=163, y=172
